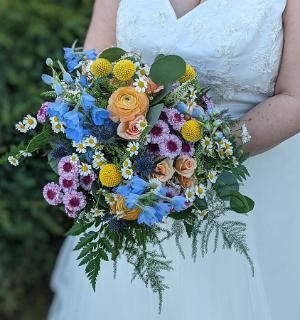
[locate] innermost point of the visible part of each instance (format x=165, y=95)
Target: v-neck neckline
x=187, y=13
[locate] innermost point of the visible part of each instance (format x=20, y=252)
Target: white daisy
x=200, y=190
x=25, y=154
x=190, y=195
x=30, y=122
x=221, y=153
x=58, y=127
x=127, y=173
x=54, y=120
x=191, y=105
x=193, y=94
x=99, y=156
x=85, y=169
x=98, y=164
x=13, y=161
x=155, y=185
x=245, y=134
x=74, y=158
x=212, y=176
x=80, y=147
x=90, y=141
x=140, y=85
x=127, y=163
x=21, y=127
x=206, y=143
x=133, y=148
x=142, y=124
x=97, y=212
x=143, y=71
x=99, y=146
x=228, y=152
x=110, y=199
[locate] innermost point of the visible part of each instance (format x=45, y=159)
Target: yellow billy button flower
x=190, y=74
x=124, y=70
x=192, y=131
x=101, y=68
x=110, y=175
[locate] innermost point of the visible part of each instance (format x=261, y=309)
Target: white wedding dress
x=236, y=46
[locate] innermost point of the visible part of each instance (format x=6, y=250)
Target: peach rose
x=164, y=170
x=186, y=182
x=153, y=87
x=128, y=214
x=185, y=166
x=125, y=104
x=129, y=130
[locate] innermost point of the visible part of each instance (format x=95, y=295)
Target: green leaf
x=225, y=184
x=182, y=215
x=200, y=204
x=240, y=203
x=167, y=89
x=86, y=239
x=112, y=54
x=167, y=69
x=78, y=228
x=154, y=113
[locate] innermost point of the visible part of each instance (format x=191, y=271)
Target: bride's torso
x=235, y=45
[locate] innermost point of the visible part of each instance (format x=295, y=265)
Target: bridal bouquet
x=142, y=156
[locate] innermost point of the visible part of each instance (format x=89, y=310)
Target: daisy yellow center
x=85, y=168
x=141, y=84
x=133, y=149
x=30, y=121
x=128, y=171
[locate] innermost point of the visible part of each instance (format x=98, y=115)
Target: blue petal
x=67, y=77
x=87, y=101
x=58, y=109
x=58, y=89
x=99, y=115
x=148, y=216
x=178, y=202
x=138, y=185
x=131, y=200
x=91, y=54
x=181, y=107
x=75, y=134
x=47, y=79
x=123, y=190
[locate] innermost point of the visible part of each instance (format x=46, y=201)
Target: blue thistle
x=105, y=132
x=116, y=225
x=60, y=151
x=145, y=164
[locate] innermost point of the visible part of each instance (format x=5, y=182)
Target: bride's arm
x=278, y=118
x=102, y=30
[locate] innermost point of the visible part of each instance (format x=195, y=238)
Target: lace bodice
x=235, y=45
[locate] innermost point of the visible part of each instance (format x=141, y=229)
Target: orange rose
x=153, y=87
x=129, y=130
x=164, y=171
x=186, y=182
x=128, y=214
x=185, y=166
x=125, y=104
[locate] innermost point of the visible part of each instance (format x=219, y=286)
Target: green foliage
x=31, y=231
x=112, y=54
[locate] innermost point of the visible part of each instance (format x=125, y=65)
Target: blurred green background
x=31, y=232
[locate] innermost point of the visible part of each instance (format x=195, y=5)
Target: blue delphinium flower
x=131, y=200
x=67, y=77
x=138, y=185
x=72, y=59
x=91, y=54
x=99, y=115
x=58, y=109
x=74, y=129
x=123, y=190
x=83, y=81
x=58, y=88
x=87, y=101
x=148, y=216
x=178, y=203
x=47, y=79
x=162, y=210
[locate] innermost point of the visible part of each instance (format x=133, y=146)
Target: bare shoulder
x=289, y=75
x=102, y=29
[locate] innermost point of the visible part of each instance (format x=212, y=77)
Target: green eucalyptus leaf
x=226, y=184
x=240, y=203
x=167, y=69
x=112, y=54
x=154, y=113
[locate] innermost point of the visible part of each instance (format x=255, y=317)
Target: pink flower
x=129, y=130
x=159, y=130
x=170, y=146
x=52, y=193
x=175, y=118
x=86, y=182
x=187, y=149
x=43, y=112
x=74, y=201
x=66, y=167
x=68, y=183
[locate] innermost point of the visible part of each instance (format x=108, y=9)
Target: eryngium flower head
x=106, y=132
x=145, y=164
